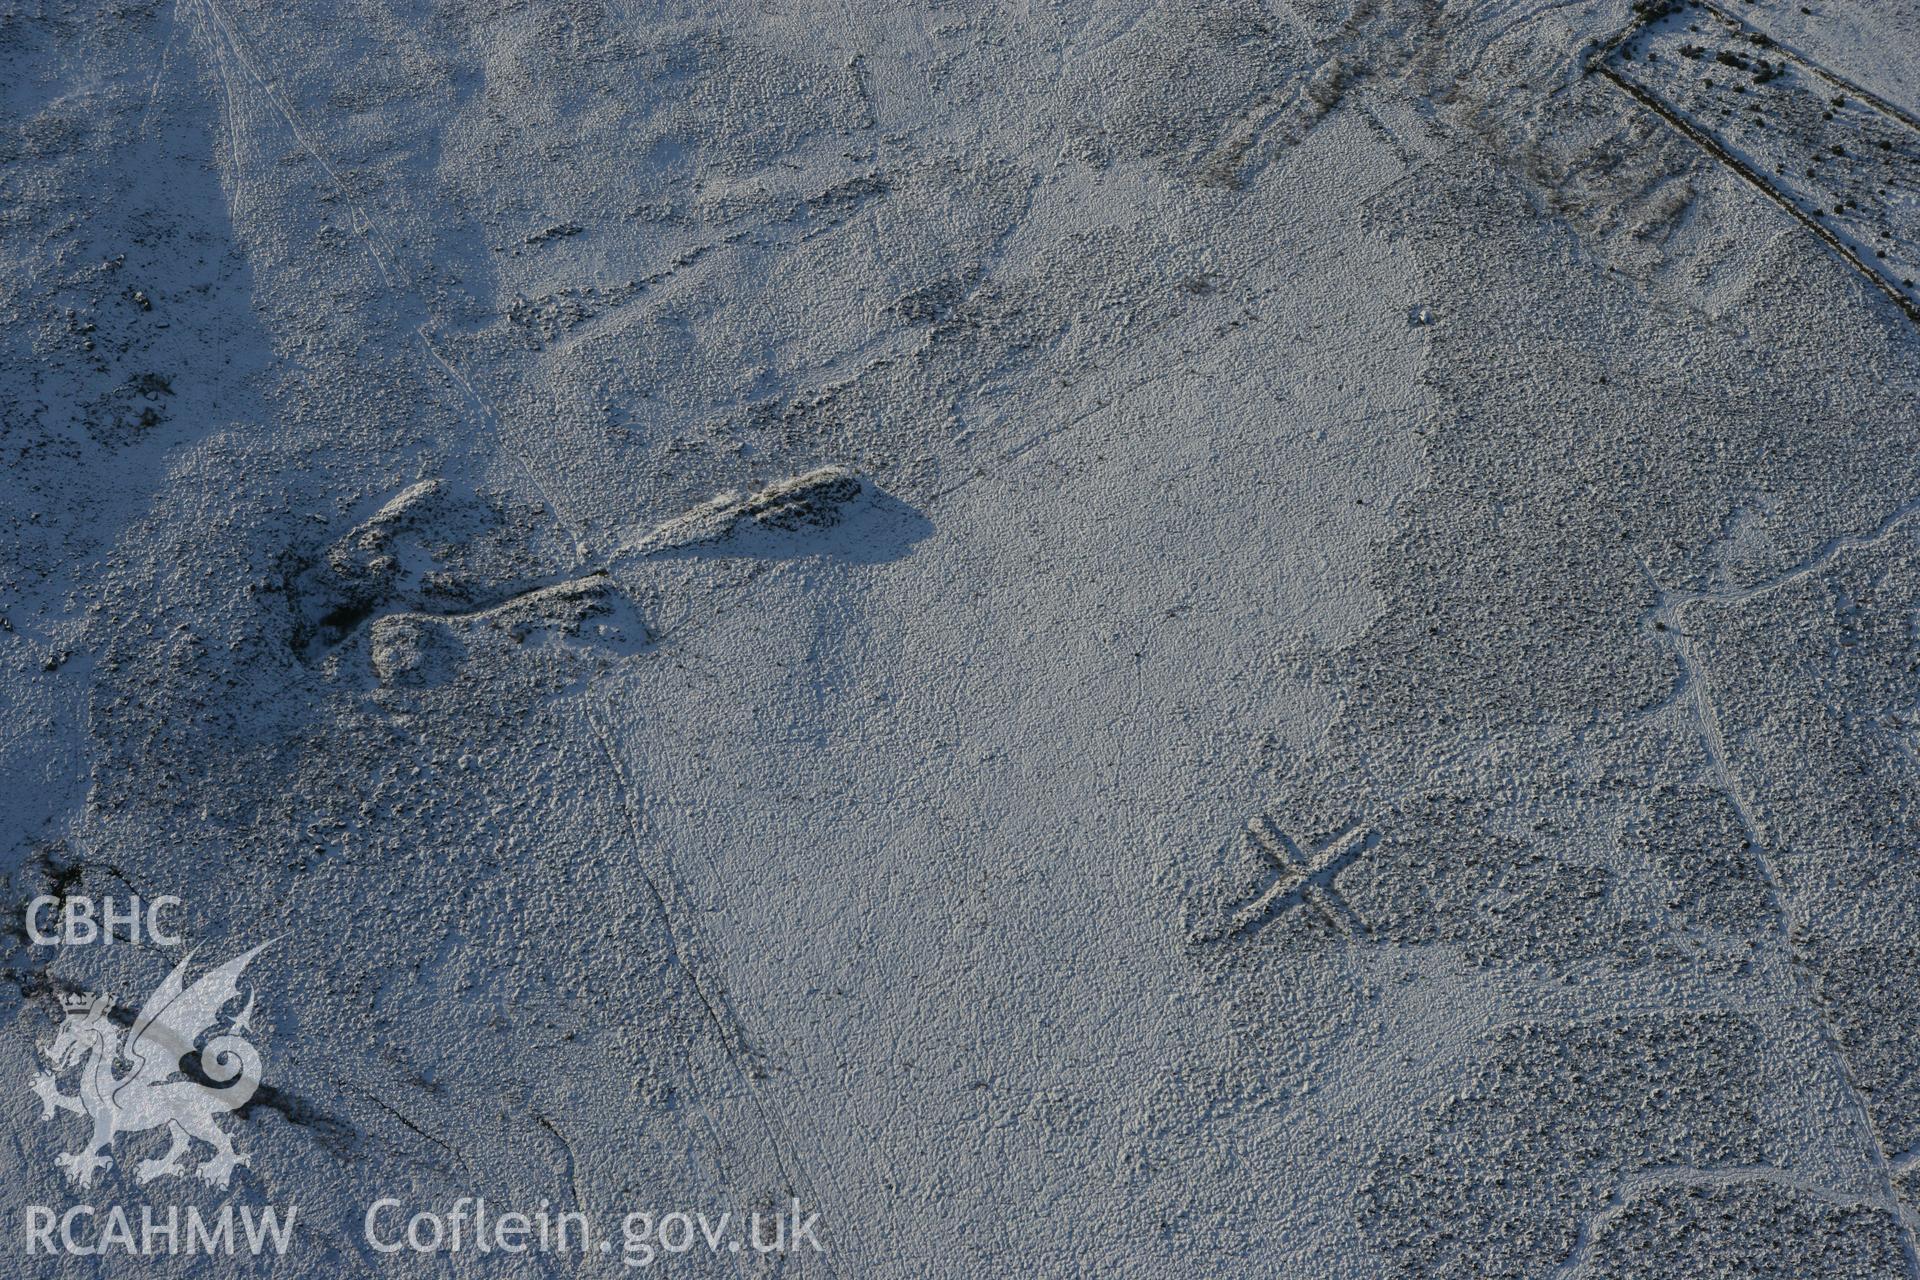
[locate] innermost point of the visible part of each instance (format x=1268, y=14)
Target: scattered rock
x=816, y=500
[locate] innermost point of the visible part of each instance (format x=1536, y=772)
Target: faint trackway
x=418, y=1130
x=387, y=259
x=1668, y=615
x=689, y=949
x=160, y=67
x=1669, y=612
x=380, y=247
x=1820, y=561
x=573, y=1161
x=1707, y=718
x=1633, y=1184
x=1669, y=608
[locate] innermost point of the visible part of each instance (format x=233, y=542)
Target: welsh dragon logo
x=154, y=1093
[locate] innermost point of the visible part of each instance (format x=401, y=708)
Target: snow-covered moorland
x=1256, y=638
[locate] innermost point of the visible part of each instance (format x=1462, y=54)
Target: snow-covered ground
x=1185, y=640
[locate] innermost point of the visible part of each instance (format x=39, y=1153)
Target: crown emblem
x=76, y=1001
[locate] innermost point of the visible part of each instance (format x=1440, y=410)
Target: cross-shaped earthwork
x=1302, y=879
